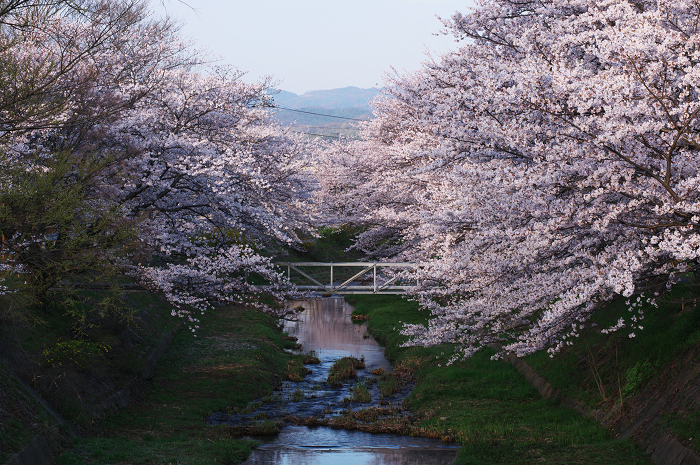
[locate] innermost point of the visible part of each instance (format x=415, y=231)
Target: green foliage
x=637, y=376
x=331, y=245
x=686, y=425
x=21, y=417
x=75, y=370
x=688, y=327
x=524, y=454
x=297, y=395
x=236, y=357
x=197, y=450
x=388, y=386
x=359, y=394
x=77, y=353
x=296, y=371
x=87, y=311
x=616, y=363
x=62, y=231
x=623, y=367
x=310, y=358
x=63, y=365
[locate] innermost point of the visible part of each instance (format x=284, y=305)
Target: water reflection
x=354, y=457
x=326, y=328
x=326, y=446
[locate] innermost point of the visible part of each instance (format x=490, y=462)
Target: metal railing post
x=331, y=276
x=374, y=286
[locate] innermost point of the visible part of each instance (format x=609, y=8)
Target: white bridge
x=370, y=280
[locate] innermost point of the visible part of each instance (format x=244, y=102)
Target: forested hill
x=348, y=102
x=347, y=97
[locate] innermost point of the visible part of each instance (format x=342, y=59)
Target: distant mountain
x=325, y=113
x=347, y=97
x=281, y=96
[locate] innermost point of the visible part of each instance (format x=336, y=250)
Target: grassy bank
x=82, y=370
x=22, y=417
x=619, y=375
x=622, y=365
x=236, y=356
x=486, y=405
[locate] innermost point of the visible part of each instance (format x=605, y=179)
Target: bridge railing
x=380, y=284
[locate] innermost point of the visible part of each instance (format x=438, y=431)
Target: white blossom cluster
x=547, y=165
x=218, y=177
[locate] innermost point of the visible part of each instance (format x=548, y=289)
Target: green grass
x=388, y=386
x=296, y=371
x=343, y=369
x=359, y=394
x=384, y=325
x=606, y=371
x=486, y=405
x=150, y=449
x=236, y=357
x=330, y=246
x=22, y=417
x=297, y=395
x=686, y=425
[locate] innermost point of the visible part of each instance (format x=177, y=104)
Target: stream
x=325, y=328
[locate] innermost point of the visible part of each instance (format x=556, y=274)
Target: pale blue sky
x=317, y=44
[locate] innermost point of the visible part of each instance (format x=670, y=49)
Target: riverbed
x=325, y=328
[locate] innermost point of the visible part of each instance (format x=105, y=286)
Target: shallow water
x=301, y=445
x=325, y=327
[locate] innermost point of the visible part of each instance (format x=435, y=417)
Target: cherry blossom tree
x=217, y=179
x=141, y=151
x=544, y=167
x=67, y=66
